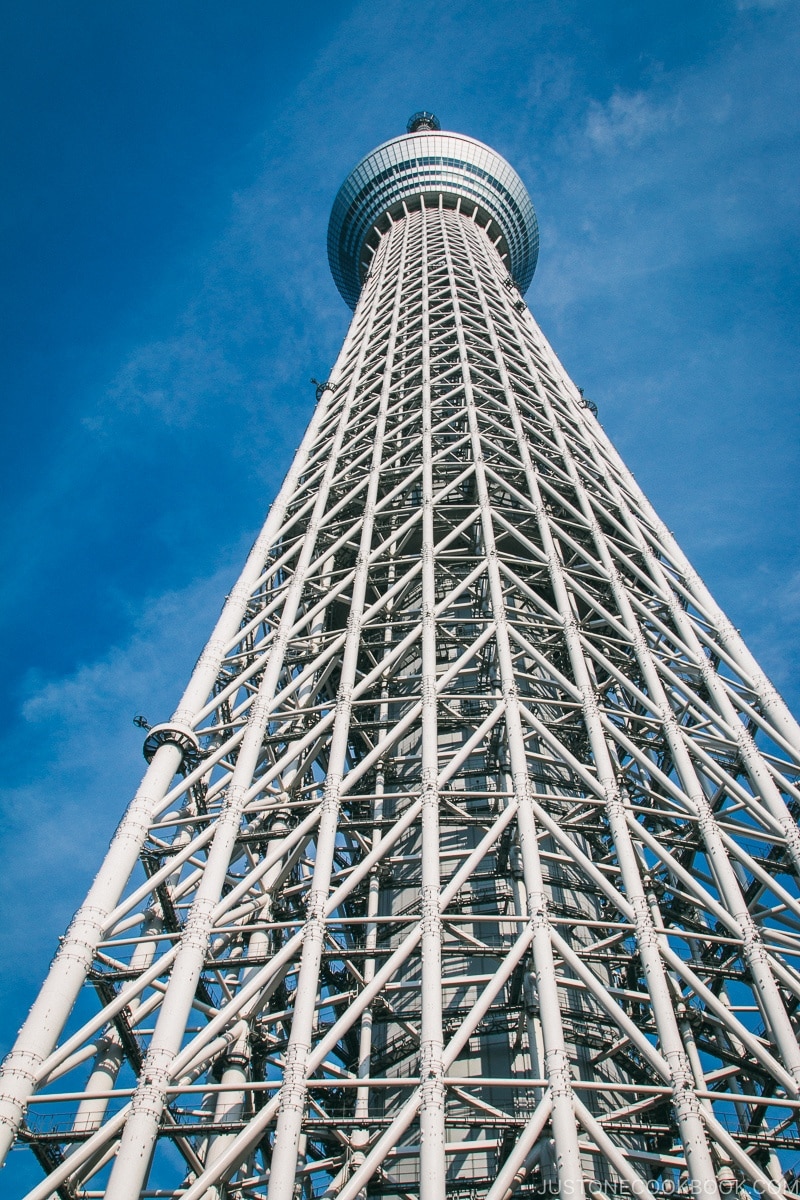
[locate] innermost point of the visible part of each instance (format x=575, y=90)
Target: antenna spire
x=422, y=121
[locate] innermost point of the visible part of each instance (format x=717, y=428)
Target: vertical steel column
x=758, y=961
x=141, y=1130
x=686, y=1106
x=431, y=1044
x=360, y=1137
x=288, y=1129
x=570, y=1172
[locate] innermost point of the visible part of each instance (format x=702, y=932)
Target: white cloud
x=173, y=377
x=627, y=120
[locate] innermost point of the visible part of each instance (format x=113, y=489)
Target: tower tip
x=422, y=121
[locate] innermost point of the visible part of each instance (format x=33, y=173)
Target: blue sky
x=169, y=173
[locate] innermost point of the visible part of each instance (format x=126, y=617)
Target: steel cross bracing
x=468, y=863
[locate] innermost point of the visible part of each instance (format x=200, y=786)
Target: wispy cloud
x=628, y=119
x=173, y=378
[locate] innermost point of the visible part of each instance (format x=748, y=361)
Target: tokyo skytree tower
x=467, y=865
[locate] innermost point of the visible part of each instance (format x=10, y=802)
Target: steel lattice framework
x=468, y=863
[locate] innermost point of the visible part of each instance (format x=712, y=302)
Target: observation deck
x=425, y=162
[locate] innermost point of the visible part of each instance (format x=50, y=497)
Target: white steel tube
x=291, y=1101
x=556, y=1061
x=138, y=1139
x=686, y=1106
x=432, y=1166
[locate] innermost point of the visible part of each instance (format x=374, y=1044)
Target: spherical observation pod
x=427, y=162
